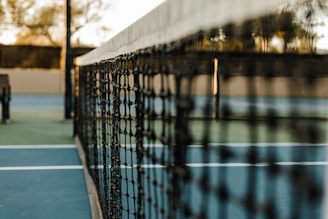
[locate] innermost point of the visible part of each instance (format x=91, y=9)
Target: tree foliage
x=43, y=24
x=292, y=25
x=323, y=5
x=19, y=11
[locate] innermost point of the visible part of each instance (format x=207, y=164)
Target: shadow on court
x=40, y=170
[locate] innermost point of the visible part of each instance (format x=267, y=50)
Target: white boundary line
x=198, y=165
x=306, y=163
x=23, y=147
x=55, y=146
x=60, y=167
x=259, y=144
x=264, y=144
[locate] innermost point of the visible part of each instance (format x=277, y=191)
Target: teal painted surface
x=51, y=194
x=39, y=194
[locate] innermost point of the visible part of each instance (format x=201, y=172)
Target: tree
x=285, y=28
x=2, y=12
x=42, y=27
x=323, y=5
x=43, y=24
x=18, y=11
x=81, y=17
x=293, y=25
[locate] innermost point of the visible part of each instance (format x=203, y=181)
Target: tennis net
x=194, y=112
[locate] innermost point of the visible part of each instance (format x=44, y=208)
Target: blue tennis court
x=47, y=181
x=280, y=188
x=42, y=181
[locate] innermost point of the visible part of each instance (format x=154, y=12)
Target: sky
x=119, y=15
x=323, y=32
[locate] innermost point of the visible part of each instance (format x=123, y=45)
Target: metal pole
x=68, y=63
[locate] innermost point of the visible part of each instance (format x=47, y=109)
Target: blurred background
x=33, y=44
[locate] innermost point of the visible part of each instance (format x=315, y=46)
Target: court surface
x=43, y=181
x=289, y=155
x=280, y=187
x=47, y=181
x=40, y=170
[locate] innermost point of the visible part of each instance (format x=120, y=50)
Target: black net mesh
x=193, y=129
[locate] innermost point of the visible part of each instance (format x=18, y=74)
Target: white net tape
x=175, y=19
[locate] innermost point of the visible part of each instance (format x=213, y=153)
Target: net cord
x=175, y=19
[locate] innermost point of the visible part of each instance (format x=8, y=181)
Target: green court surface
x=40, y=169
x=237, y=131
x=36, y=127
x=36, y=119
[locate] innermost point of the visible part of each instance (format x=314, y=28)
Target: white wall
x=41, y=81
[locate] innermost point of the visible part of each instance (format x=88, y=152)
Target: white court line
x=195, y=165
x=259, y=144
x=314, y=163
x=55, y=146
x=148, y=166
x=66, y=167
x=266, y=144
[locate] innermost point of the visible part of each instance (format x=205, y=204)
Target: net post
x=5, y=104
x=216, y=88
x=68, y=62
x=76, y=99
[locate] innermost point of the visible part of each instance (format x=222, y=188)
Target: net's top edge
x=175, y=19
